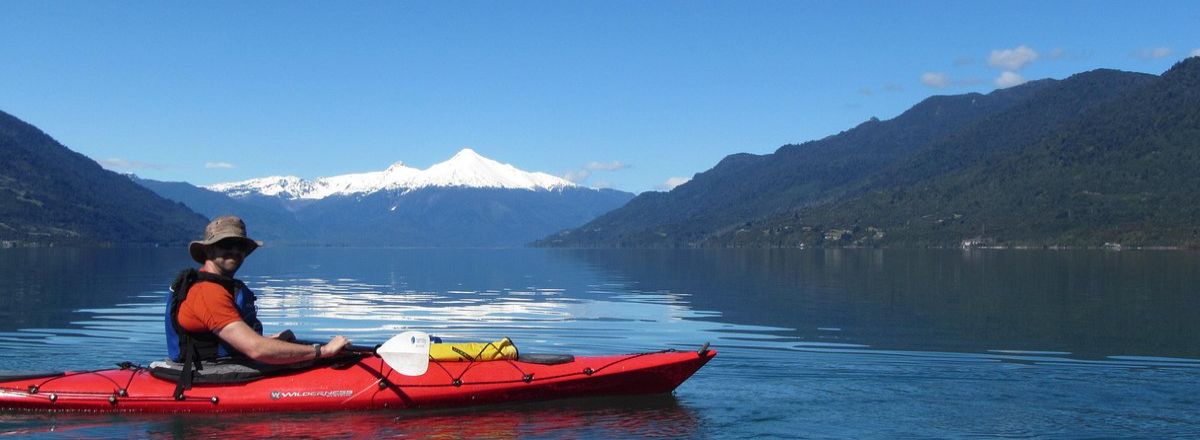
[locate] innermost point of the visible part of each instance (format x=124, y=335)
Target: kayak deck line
x=367, y=383
x=525, y=377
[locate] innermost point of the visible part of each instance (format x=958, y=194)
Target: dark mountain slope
x=52, y=195
x=1120, y=170
x=743, y=187
x=478, y=217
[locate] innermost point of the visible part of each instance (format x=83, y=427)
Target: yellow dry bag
x=473, y=351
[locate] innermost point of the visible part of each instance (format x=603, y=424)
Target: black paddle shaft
x=287, y=335
x=352, y=348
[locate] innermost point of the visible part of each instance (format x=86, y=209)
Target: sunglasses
x=231, y=246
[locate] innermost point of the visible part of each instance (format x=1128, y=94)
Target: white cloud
x=935, y=79
x=582, y=175
x=1056, y=53
x=1195, y=53
x=220, y=165
x=940, y=80
x=1008, y=79
x=1012, y=59
x=671, y=183
x=1153, y=53
x=122, y=164
x=603, y=166
x=602, y=184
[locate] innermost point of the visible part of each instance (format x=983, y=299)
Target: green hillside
x=50, y=195
x=1103, y=156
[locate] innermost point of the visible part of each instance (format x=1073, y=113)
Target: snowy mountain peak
x=466, y=169
x=397, y=166
x=281, y=186
x=468, y=159
x=466, y=153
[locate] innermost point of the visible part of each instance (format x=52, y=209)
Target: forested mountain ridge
x=51, y=195
x=1010, y=176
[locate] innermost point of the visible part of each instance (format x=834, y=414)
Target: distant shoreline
x=16, y=244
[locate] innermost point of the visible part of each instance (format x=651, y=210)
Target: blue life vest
x=207, y=345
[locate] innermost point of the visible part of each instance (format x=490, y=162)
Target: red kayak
x=356, y=384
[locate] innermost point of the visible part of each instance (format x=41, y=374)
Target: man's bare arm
x=274, y=351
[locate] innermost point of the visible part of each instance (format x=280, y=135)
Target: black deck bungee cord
x=457, y=381
x=134, y=370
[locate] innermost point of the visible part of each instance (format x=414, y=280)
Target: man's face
x=228, y=255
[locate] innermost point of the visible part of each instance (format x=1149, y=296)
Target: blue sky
x=628, y=93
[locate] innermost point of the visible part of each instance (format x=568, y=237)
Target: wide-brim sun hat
x=222, y=228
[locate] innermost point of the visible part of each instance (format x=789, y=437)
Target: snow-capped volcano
x=468, y=200
x=466, y=169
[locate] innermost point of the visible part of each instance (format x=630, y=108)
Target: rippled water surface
x=812, y=343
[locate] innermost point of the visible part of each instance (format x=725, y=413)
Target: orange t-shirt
x=208, y=308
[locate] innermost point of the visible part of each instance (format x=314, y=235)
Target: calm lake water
x=813, y=343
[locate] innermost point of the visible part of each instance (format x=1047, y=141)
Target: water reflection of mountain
x=1089, y=303
x=42, y=287
x=538, y=298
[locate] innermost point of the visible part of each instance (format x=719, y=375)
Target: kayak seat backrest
x=221, y=371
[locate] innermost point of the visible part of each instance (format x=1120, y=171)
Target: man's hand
x=335, y=345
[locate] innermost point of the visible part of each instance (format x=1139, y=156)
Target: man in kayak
x=211, y=315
